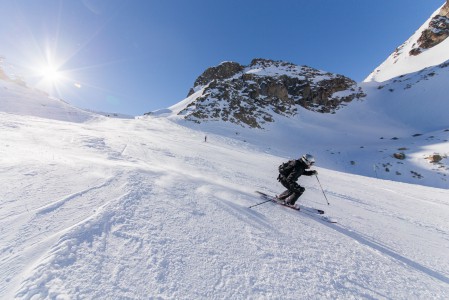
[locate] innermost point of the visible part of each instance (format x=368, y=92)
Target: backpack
x=287, y=167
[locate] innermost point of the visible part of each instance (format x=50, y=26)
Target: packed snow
x=146, y=209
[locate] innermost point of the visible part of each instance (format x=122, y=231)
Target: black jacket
x=299, y=168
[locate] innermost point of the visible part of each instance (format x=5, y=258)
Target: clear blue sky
x=132, y=56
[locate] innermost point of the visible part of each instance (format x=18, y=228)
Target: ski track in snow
x=144, y=209
x=57, y=204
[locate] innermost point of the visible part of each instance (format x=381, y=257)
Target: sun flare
x=51, y=74
x=50, y=77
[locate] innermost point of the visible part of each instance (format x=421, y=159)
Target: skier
x=289, y=173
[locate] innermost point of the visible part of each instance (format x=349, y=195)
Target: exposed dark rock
x=437, y=31
x=223, y=71
x=399, y=155
x=250, y=96
x=435, y=158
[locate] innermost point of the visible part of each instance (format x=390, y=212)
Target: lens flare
x=51, y=74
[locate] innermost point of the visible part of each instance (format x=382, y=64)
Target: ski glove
x=315, y=172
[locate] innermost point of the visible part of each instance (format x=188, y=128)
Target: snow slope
x=145, y=209
x=23, y=100
x=400, y=62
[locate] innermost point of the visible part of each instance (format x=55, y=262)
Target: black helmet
x=308, y=159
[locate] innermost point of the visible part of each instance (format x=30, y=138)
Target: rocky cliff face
x=437, y=31
x=252, y=95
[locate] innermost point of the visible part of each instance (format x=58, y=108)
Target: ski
x=314, y=212
x=301, y=207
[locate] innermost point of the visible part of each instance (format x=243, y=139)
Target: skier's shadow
x=359, y=238
x=246, y=215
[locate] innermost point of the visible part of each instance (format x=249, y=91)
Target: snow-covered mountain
x=427, y=47
x=23, y=100
x=390, y=126
x=18, y=98
x=257, y=94
x=108, y=208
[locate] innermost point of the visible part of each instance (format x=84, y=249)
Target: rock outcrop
x=437, y=31
x=253, y=95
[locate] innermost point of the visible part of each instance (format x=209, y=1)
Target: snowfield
x=145, y=209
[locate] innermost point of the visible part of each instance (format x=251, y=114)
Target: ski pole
x=259, y=203
x=322, y=189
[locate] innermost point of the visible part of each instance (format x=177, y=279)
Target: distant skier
x=289, y=173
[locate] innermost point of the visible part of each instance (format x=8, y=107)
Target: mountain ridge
x=427, y=47
x=253, y=95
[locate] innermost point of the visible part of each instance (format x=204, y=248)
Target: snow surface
x=145, y=209
x=22, y=100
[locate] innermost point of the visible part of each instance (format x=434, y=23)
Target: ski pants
x=293, y=192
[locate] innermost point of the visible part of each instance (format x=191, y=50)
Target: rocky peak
x=265, y=63
x=253, y=95
x=437, y=31
x=222, y=71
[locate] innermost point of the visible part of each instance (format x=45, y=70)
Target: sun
x=51, y=74
x=50, y=77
